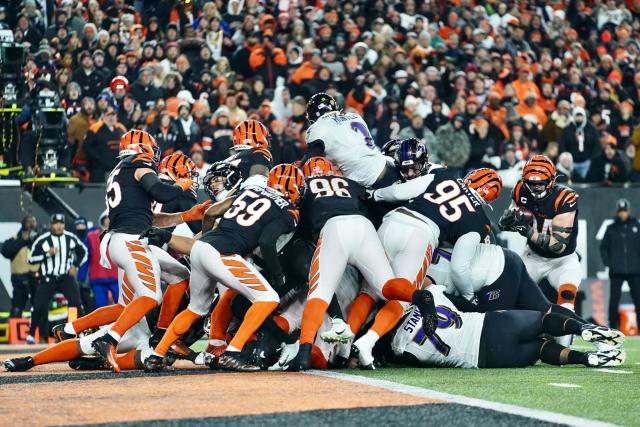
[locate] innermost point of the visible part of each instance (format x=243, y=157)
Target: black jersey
x=128, y=203
x=454, y=208
x=245, y=159
x=560, y=200
x=239, y=230
x=185, y=201
x=330, y=196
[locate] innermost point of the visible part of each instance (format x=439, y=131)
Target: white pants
x=558, y=271
x=140, y=267
x=208, y=268
x=409, y=244
x=136, y=338
x=352, y=240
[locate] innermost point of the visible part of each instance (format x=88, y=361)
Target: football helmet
x=251, y=134
x=178, y=165
x=230, y=177
x=539, y=176
x=319, y=105
x=411, y=158
x=319, y=166
x=288, y=180
x=486, y=182
x=139, y=142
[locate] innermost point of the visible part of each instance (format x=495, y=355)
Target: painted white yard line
x=565, y=385
x=614, y=371
x=537, y=414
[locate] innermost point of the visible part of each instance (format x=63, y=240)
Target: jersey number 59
x=246, y=211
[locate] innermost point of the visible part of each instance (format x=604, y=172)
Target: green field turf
x=601, y=396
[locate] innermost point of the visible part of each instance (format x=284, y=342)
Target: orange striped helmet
x=249, y=134
x=319, y=166
x=288, y=180
x=139, y=142
x=178, y=165
x=539, y=176
x=486, y=182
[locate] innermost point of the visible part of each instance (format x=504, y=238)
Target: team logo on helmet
x=319, y=105
x=288, y=180
x=251, y=134
x=411, y=157
x=486, y=182
x=539, y=176
x=139, y=142
x=319, y=166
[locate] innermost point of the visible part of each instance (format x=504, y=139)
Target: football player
x=500, y=339
x=132, y=187
x=345, y=237
x=251, y=141
x=257, y=218
x=344, y=138
x=437, y=207
x=551, y=239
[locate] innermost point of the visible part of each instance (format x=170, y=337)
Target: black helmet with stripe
x=319, y=105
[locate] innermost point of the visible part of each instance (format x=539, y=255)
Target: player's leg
x=359, y=311
x=615, y=292
x=529, y=295
x=60, y=352
x=221, y=316
x=564, y=276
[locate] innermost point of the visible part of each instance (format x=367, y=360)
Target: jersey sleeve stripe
x=560, y=198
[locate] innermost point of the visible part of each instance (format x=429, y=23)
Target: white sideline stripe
x=537, y=414
x=614, y=371
x=565, y=385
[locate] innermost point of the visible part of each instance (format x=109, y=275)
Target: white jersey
x=348, y=144
x=455, y=344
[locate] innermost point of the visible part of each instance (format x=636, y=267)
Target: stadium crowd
x=483, y=83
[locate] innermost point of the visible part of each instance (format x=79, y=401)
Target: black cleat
x=19, y=364
x=154, y=363
x=59, y=334
x=235, y=361
x=302, y=361
x=107, y=348
x=88, y=363
x=155, y=338
x=423, y=299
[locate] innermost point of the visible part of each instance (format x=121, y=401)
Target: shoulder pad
x=263, y=152
x=565, y=197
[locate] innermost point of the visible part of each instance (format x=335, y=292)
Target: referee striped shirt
x=71, y=252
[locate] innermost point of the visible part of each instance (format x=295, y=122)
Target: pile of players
x=284, y=267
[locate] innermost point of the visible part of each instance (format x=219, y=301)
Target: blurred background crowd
x=484, y=83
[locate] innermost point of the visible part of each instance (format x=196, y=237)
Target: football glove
x=156, y=236
x=185, y=183
x=507, y=220
x=196, y=212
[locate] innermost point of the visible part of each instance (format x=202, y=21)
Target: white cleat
x=365, y=355
x=203, y=359
x=288, y=352
x=603, y=338
x=607, y=358
x=339, y=332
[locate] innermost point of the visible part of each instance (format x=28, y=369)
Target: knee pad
x=567, y=294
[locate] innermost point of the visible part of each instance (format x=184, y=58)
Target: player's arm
x=461, y=261
x=158, y=190
x=558, y=239
x=404, y=191
x=195, y=213
x=268, y=248
x=214, y=212
x=160, y=237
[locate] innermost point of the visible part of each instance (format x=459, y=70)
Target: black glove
x=157, y=236
x=523, y=228
x=507, y=220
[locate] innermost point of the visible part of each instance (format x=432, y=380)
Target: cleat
x=266, y=350
x=364, y=354
x=302, y=361
x=88, y=364
x=205, y=359
x=423, y=300
x=606, y=358
x=19, y=364
x=154, y=363
x=339, y=332
x=156, y=337
x=59, y=334
x=216, y=350
x=288, y=352
x=30, y=340
x=603, y=338
x=107, y=348
x=234, y=361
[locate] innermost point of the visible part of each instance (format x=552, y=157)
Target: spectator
x=143, y=89
x=79, y=125
x=89, y=79
x=103, y=281
x=510, y=166
x=620, y=252
x=218, y=139
x=60, y=254
x=483, y=147
x=580, y=138
x=611, y=165
x=452, y=144
x=283, y=147
x=565, y=166
x=436, y=117
x=166, y=133
x=187, y=128
x=23, y=274
x=101, y=145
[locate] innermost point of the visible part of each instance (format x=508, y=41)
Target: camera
x=50, y=127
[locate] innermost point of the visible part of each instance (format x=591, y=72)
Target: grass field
x=612, y=395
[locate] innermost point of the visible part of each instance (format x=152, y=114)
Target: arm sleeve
x=37, y=252
x=80, y=252
x=267, y=242
x=461, y=260
x=604, y=247
x=159, y=191
x=405, y=191
x=314, y=148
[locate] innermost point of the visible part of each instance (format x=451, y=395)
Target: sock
x=559, y=309
x=559, y=325
x=221, y=316
x=232, y=349
x=399, y=289
x=252, y=321
x=555, y=354
x=318, y=360
x=359, y=311
x=217, y=342
x=282, y=323
x=178, y=327
x=312, y=319
x=133, y=313
x=130, y=361
x=68, y=328
x=334, y=309
x=171, y=302
x=388, y=317
x=100, y=317
x=567, y=294
x=61, y=352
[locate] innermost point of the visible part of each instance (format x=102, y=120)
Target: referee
x=59, y=253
